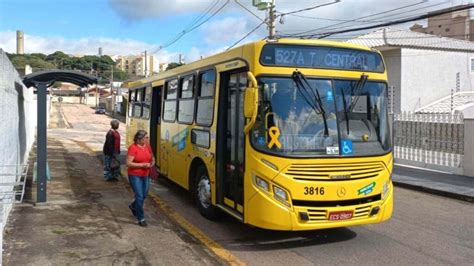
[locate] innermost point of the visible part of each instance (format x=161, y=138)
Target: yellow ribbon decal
x=274, y=133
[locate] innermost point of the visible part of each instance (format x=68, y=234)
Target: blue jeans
x=140, y=186
x=108, y=173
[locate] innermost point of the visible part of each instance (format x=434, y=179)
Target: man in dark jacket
x=111, y=149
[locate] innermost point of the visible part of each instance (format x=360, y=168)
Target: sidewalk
x=86, y=219
x=444, y=184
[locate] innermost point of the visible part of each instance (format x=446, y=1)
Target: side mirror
x=251, y=102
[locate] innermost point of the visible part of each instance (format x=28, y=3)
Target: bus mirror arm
x=251, y=102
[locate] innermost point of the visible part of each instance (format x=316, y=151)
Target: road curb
x=216, y=249
x=187, y=226
x=435, y=191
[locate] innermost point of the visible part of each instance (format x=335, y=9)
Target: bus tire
x=203, y=194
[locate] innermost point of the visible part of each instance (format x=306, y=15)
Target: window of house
x=472, y=64
x=447, y=29
x=169, y=107
x=205, y=99
x=186, y=100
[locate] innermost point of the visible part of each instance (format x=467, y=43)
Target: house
x=422, y=68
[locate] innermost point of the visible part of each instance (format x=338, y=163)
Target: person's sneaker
x=142, y=223
x=133, y=210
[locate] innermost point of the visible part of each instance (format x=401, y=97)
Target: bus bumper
x=265, y=212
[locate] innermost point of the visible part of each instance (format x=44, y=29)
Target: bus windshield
x=324, y=117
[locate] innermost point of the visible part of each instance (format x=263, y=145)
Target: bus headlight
x=281, y=195
x=261, y=183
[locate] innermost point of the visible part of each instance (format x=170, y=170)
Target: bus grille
x=334, y=172
x=321, y=215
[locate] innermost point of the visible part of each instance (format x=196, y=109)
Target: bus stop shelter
x=42, y=81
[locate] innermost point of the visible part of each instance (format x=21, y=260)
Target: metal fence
x=433, y=141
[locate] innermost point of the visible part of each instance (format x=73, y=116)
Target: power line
x=367, y=16
x=401, y=21
x=190, y=29
x=310, y=8
x=206, y=11
x=246, y=35
x=248, y=10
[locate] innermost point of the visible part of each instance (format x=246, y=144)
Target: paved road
x=424, y=229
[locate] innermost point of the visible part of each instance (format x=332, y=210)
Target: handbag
x=114, y=164
x=154, y=173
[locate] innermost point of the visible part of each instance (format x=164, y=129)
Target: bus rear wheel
x=203, y=194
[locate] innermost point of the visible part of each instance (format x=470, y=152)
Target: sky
x=167, y=28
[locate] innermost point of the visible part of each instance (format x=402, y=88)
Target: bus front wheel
x=203, y=194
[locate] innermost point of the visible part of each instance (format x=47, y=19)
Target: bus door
x=155, y=121
x=232, y=140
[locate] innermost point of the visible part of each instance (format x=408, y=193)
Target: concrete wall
x=429, y=75
x=17, y=130
x=68, y=99
x=393, y=64
x=468, y=164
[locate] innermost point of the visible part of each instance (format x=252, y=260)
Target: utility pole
x=271, y=21
x=112, y=89
x=146, y=58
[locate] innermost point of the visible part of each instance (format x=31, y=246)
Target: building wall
x=392, y=60
x=454, y=25
x=17, y=130
x=429, y=75
x=135, y=64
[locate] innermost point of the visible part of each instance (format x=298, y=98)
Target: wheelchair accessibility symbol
x=346, y=147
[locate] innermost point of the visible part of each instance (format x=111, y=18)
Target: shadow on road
x=234, y=235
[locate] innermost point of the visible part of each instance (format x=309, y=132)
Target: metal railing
x=12, y=183
x=433, y=141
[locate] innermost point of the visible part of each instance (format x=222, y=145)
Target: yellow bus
x=282, y=135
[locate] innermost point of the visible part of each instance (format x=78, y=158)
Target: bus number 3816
x=314, y=190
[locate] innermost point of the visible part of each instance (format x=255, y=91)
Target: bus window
x=137, y=104
x=131, y=95
x=186, y=100
x=205, y=100
x=169, y=109
x=146, y=103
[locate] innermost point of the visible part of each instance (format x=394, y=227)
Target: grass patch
x=59, y=232
x=72, y=255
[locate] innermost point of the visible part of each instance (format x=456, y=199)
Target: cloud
x=224, y=30
x=196, y=53
x=82, y=46
x=319, y=17
x=141, y=9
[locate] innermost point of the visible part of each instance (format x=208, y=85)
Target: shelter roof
x=50, y=76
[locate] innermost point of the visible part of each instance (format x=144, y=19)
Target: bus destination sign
x=321, y=57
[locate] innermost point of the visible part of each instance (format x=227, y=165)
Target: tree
x=57, y=84
x=173, y=65
x=39, y=55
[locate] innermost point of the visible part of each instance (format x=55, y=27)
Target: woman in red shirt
x=139, y=161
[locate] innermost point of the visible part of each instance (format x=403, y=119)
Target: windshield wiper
x=311, y=97
x=344, y=105
x=356, y=92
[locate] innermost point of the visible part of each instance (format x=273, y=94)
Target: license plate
x=340, y=215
